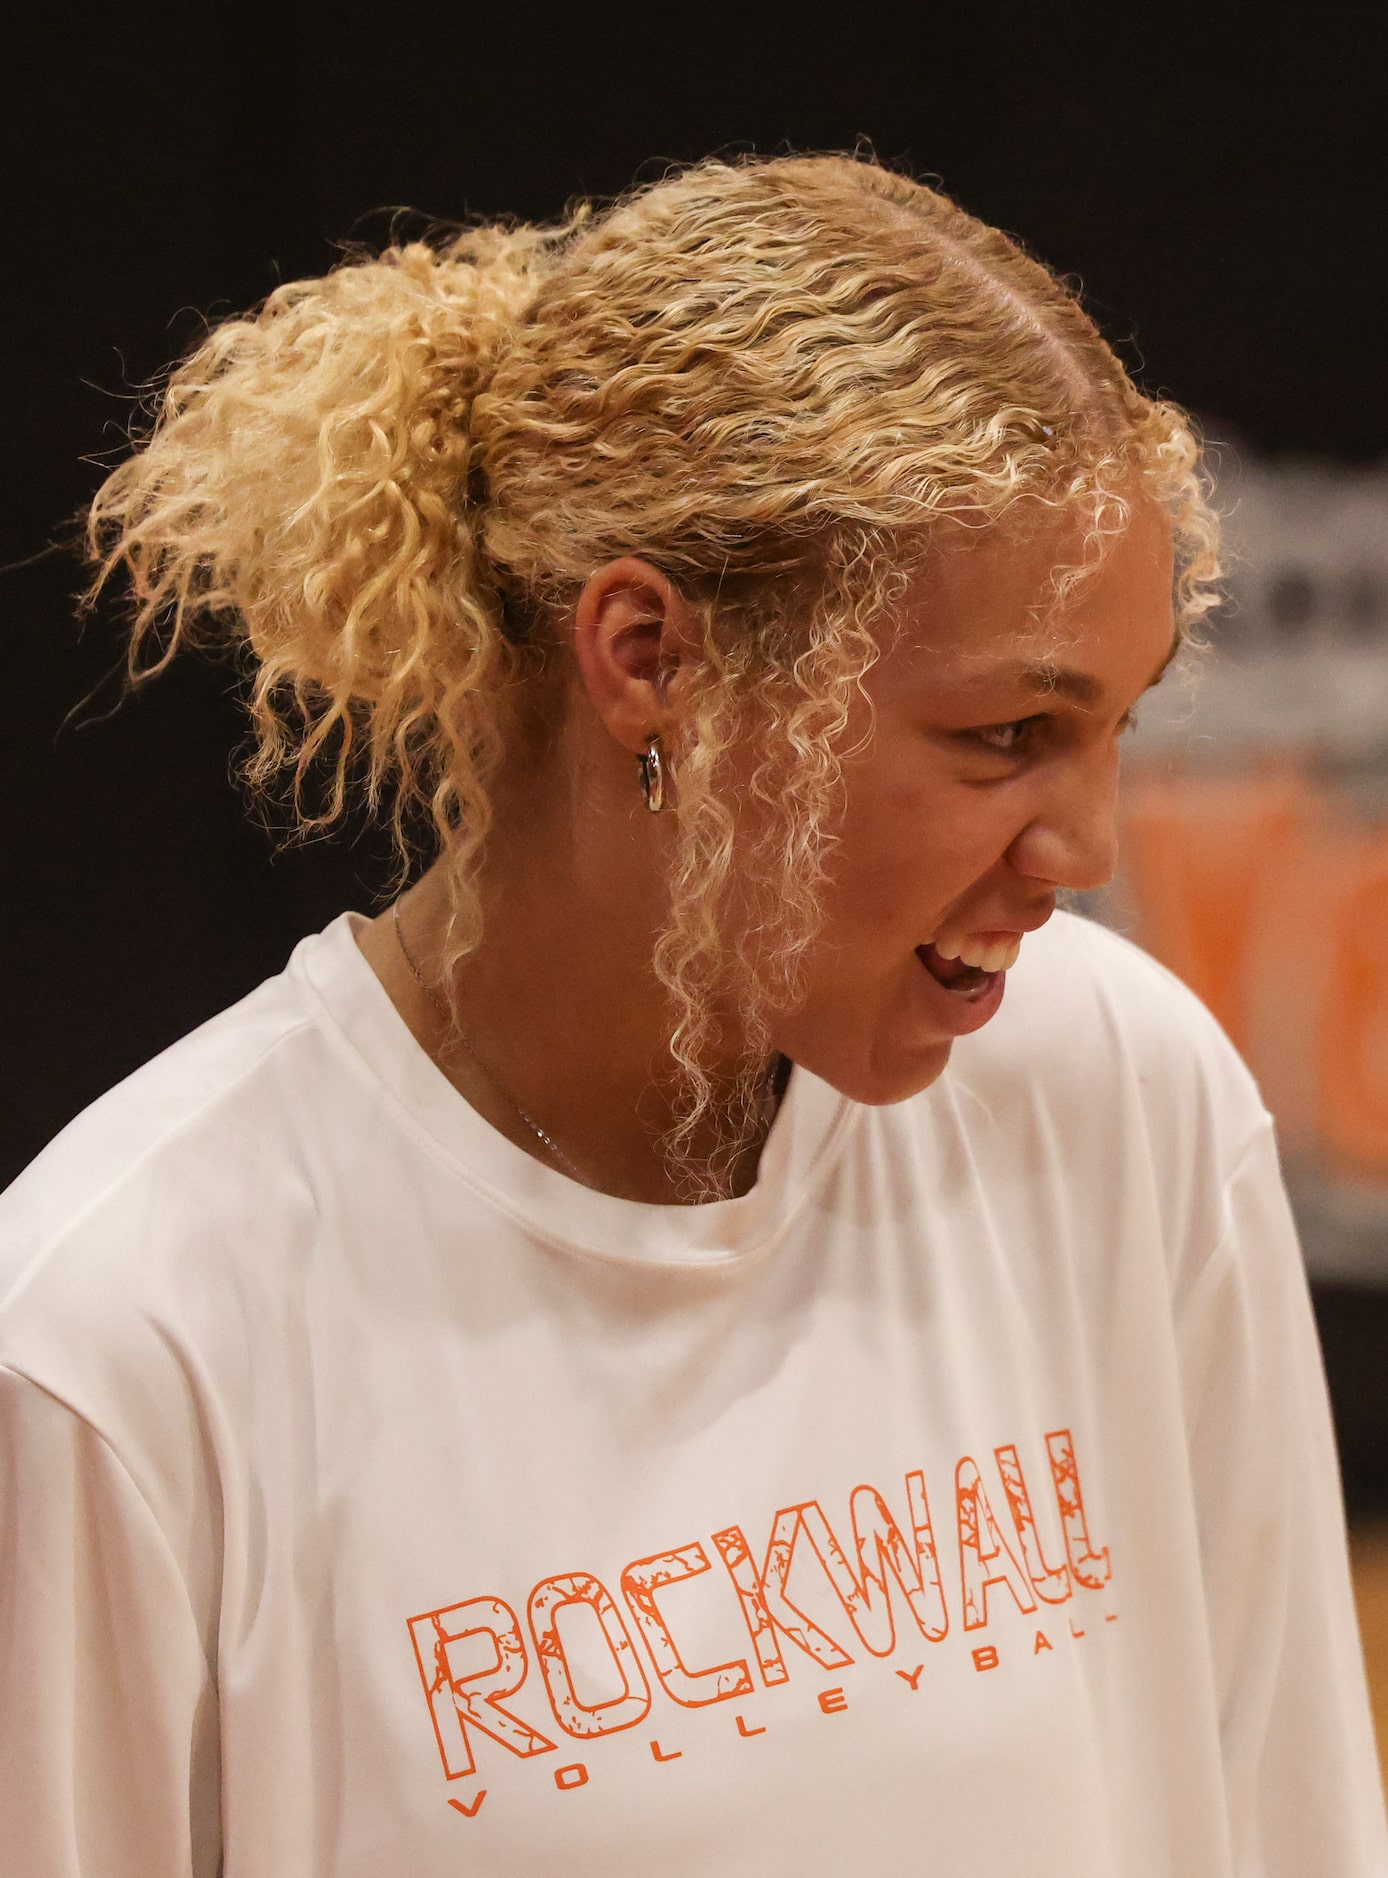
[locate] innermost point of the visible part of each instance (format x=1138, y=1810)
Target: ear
x=633, y=630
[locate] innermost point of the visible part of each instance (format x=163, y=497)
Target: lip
x=999, y=935
x=957, y=1016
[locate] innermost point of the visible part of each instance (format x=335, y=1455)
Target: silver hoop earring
x=653, y=776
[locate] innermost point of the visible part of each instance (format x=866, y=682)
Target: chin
x=879, y=1081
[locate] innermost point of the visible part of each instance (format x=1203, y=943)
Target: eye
x=1008, y=739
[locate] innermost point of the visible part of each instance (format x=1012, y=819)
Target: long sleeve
x=1301, y=1771
x=108, y=1738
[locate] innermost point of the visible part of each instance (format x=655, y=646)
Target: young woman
x=641, y=1359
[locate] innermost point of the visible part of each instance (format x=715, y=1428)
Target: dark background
x=1215, y=181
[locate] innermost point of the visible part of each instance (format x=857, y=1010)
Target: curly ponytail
x=310, y=490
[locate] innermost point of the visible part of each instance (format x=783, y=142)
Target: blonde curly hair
x=772, y=379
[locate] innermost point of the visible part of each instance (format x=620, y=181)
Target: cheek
x=911, y=849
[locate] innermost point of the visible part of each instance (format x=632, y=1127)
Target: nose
x=1072, y=841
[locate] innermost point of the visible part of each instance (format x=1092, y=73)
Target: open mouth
x=970, y=977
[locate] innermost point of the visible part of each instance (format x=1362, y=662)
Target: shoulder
x=1089, y=1010
x=153, y=1203
x=1106, y=1056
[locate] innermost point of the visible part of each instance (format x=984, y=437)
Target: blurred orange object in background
x=1271, y=902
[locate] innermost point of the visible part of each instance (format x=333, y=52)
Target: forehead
x=1011, y=598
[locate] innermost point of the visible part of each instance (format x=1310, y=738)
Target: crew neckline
x=810, y=1128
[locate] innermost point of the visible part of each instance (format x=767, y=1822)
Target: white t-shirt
x=379, y=1503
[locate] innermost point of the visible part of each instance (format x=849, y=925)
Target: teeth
x=1000, y=956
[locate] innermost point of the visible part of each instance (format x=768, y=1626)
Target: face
x=988, y=786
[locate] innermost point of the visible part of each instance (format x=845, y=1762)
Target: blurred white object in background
x=1301, y=646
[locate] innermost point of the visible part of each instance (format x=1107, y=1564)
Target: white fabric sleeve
x=1300, y=1763
x=108, y=1739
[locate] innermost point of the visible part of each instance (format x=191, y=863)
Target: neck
x=566, y=1025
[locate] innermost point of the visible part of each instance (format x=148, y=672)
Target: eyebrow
x=1065, y=682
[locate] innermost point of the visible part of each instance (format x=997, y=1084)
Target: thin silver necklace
x=441, y=1004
